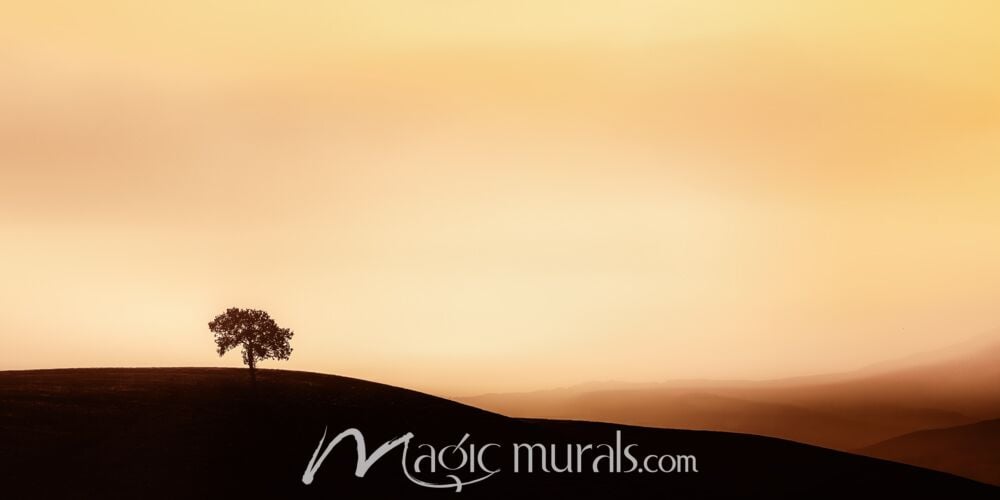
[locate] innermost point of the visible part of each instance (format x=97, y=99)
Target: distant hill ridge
x=846, y=411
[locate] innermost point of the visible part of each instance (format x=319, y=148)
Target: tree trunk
x=252, y=363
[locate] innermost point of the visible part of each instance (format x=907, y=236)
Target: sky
x=477, y=196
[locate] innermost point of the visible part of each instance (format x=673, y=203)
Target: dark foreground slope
x=203, y=433
x=970, y=450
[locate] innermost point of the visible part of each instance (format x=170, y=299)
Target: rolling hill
x=205, y=433
x=970, y=450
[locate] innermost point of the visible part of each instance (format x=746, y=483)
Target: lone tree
x=253, y=329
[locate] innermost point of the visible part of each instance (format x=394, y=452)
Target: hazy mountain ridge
x=846, y=411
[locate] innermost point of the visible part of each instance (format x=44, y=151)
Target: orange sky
x=471, y=196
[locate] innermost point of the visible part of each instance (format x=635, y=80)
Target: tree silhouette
x=253, y=329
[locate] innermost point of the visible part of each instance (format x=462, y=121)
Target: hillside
x=971, y=450
x=203, y=433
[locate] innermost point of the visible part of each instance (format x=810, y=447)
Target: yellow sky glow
x=472, y=196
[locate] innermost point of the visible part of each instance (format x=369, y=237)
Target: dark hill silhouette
x=970, y=450
x=204, y=433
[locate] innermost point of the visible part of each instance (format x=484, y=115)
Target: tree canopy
x=254, y=330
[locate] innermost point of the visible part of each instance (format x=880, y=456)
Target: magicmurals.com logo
x=465, y=462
